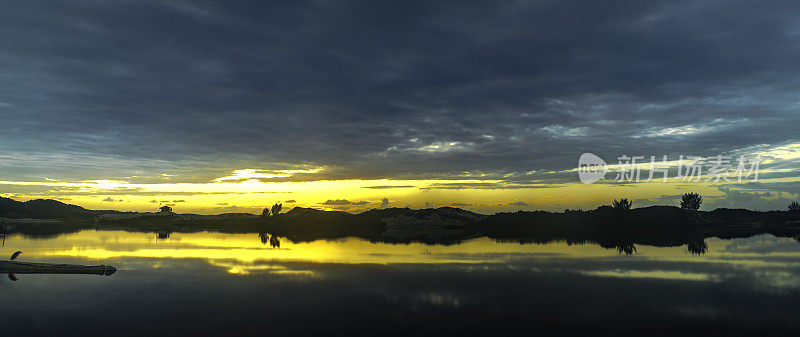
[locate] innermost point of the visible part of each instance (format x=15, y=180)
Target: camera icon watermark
x=591, y=168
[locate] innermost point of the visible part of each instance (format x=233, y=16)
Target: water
x=233, y=284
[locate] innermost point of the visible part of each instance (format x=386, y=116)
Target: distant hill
x=40, y=209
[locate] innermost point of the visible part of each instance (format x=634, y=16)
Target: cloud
x=110, y=199
x=264, y=175
x=496, y=90
x=459, y=204
x=384, y=203
x=734, y=198
x=290, y=201
x=519, y=203
x=176, y=201
x=342, y=202
x=489, y=185
x=692, y=129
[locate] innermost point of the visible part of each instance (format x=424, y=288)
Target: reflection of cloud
x=659, y=274
x=383, y=187
x=233, y=267
x=442, y=299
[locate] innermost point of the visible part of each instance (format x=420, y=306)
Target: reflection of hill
x=653, y=226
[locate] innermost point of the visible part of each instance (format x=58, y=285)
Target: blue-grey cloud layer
x=388, y=89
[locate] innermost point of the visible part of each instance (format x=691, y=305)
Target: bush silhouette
x=622, y=204
x=691, y=201
x=794, y=206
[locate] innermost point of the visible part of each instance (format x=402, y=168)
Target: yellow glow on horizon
x=242, y=191
x=253, y=195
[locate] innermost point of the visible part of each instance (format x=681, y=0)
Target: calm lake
x=239, y=284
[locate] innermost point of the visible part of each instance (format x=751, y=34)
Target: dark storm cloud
x=370, y=89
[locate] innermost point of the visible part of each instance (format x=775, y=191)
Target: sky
x=229, y=106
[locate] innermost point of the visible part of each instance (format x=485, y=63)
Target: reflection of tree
x=627, y=248
x=164, y=235
x=697, y=246
x=273, y=240
x=796, y=237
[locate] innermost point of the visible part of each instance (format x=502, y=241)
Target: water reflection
x=245, y=253
x=248, y=285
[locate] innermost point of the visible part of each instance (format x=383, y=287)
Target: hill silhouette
x=41, y=209
x=610, y=227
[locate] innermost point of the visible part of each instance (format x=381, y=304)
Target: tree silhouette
x=265, y=212
x=276, y=208
x=794, y=206
x=691, y=201
x=623, y=204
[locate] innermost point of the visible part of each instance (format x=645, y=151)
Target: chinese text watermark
x=592, y=168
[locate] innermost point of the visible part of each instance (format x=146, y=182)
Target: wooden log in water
x=13, y=267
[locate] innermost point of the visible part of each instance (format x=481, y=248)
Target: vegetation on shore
x=616, y=225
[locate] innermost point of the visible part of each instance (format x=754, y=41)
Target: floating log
x=14, y=267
